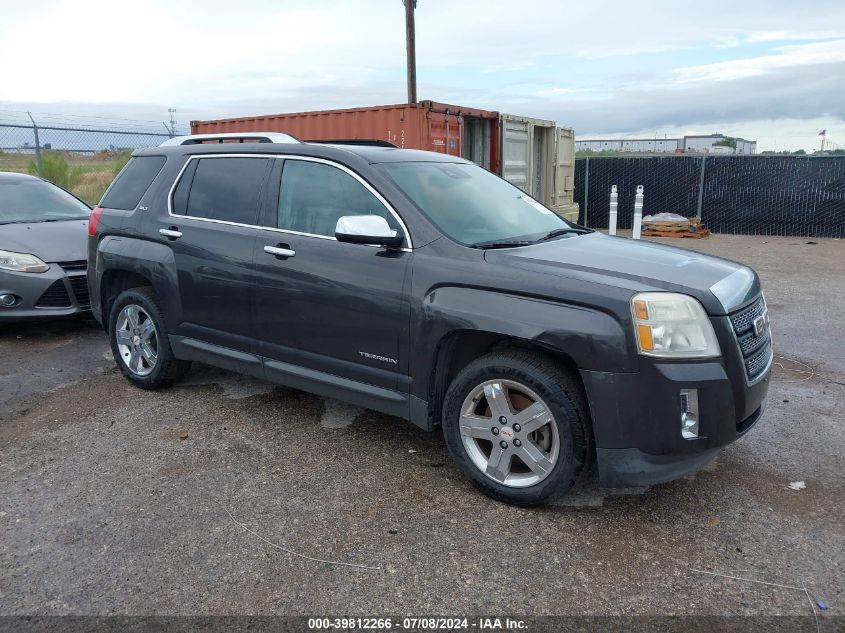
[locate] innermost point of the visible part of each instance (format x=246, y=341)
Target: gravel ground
x=119, y=501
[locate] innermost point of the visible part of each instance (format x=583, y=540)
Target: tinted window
x=133, y=182
x=314, y=196
x=180, y=195
x=25, y=199
x=471, y=205
x=227, y=189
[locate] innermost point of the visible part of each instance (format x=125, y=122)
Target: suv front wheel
x=139, y=341
x=517, y=425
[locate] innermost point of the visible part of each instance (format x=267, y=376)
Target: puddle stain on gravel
x=234, y=386
x=339, y=415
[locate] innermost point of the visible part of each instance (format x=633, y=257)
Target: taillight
x=94, y=220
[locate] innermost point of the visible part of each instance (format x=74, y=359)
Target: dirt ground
x=118, y=501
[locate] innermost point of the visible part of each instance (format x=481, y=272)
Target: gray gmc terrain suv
x=423, y=286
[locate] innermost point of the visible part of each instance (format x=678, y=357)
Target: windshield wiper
x=503, y=244
x=564, y=231
x=548, y=236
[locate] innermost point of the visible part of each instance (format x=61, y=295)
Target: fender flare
x=153, y=261
x=593, y=339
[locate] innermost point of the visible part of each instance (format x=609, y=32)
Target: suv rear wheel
x=517, y=425
x=139, y=341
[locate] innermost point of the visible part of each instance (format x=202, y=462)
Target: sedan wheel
x=137, y=340
x=509, y=433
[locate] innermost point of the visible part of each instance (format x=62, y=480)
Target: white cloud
x=784, y=35
x=99, y=49
x=787, y=57
x=193, y=51
x=552, y=92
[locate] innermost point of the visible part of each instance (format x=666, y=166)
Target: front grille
x=55, y=296
x=74, y=265
x=79, y=285
x=756, y=350
x=743, y=321
x=756, y=363
x=750, y=343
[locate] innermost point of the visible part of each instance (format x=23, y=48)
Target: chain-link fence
x=79, y=154
x=34, y=135
x=753, y=195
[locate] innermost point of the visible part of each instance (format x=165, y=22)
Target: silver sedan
x=43, y=250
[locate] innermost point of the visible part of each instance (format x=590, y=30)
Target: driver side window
x=314, y=196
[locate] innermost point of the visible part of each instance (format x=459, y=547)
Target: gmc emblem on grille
x=761, y=323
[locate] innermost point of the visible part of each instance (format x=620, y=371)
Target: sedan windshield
x=25, y=199
x=473, y=206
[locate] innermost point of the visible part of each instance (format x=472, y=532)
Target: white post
x=614, y=203
x=638, y=213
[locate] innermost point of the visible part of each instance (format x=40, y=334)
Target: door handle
x=279, y=251
x=173, y=233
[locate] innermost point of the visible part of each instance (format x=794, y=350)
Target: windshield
x=28, y=200
x=471, y=205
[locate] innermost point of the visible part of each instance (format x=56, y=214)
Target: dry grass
x=92, y=185
x=94, y=172
x=15, y=162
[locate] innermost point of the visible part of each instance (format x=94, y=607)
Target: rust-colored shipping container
x=439, y=127
x=532, y=154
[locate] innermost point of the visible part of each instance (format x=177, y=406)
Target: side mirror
x=366, y=229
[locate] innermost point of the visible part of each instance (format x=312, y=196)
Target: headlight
x=22, y=263
x=671, y=325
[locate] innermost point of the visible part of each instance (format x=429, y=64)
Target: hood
x=720, y=284
x=62, y=241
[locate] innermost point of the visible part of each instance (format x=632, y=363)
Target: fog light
x=8, y=300
x=689, y=414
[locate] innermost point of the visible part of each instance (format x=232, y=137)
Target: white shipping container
x=527, y=153
x=563, y=178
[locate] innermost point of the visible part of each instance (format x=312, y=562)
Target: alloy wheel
x=509, y=433
x=137, y=340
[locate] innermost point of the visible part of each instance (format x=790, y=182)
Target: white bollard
x=638, y=213
x=614, y=204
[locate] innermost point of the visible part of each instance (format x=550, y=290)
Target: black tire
x=562, y=394
x=167, y=368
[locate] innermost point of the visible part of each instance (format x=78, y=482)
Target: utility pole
x=172, y=112
x=411, y=48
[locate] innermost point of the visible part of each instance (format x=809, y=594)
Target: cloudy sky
x=767, y=70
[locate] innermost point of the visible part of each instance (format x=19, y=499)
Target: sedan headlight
x=672, y=325
x=22, y=262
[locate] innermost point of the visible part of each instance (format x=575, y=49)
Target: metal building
x=706, y=144
x=635, y=145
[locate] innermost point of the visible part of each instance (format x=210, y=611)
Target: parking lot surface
x=118, y=501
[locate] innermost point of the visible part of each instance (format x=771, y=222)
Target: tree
x=728, y=141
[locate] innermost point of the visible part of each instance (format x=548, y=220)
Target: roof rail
x=229, y=137
x=354, y=141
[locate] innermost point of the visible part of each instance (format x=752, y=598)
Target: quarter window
x=227, y=189
x=314, y=196
x=132, y=183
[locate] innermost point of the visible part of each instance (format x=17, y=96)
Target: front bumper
x=49, y=295
x=637, y=417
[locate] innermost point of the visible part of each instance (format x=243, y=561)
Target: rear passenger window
x=133, y=182
x=315, y=195
x=227, y=189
